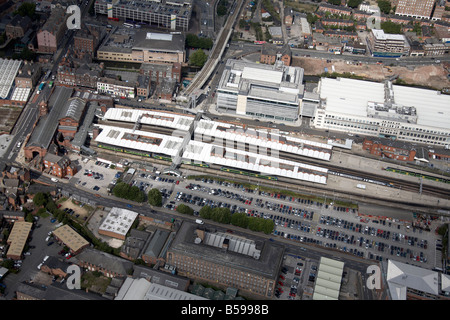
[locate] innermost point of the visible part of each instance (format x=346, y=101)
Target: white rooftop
x=118, y=221
x=432, y=107
x=262, y=75
x=151, y=117
x=116, y=136
x=350, y=97
x=380, y=35
x=8, y=71
x=263, y=138
x=328, y=281
x=158, y=36
x=401, y=276
x=265, y=165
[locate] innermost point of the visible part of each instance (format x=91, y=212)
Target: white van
x=199, y=221
x=54, y=180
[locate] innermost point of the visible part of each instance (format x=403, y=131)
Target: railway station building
x=383, y=110
x=224, y=145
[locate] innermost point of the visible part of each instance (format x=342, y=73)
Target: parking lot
x=306, y=221
x=94, y=175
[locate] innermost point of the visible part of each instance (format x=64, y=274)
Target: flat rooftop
x=350, y=97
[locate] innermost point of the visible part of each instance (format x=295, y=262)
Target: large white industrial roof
x=293, y=145
x=432, y=107
x=401, y=276
x=350, y=96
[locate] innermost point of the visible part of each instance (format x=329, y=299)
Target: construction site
x=432, y=76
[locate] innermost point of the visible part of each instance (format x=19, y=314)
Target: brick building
x=389, y=149
x=58, y=166
x=108, y=264
x=17, y=27
x=28, y=75
x=218, y=258
x=270, y=53
x=50, y=35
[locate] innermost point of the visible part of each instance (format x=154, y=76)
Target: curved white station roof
x=115, y=136
x=293, y=145
x=202, y=152
x=151, y=117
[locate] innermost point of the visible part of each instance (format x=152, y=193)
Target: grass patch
x=95, y=281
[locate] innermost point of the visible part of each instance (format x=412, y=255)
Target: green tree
x=221, y=215
x=239, y=219
x=26, y=9
x=354, y=3
x=391, y=27
x=40, y=199
x=198, y=58
x=184, y=209
x=205, y=212
x=155, y=197
x=385, y=6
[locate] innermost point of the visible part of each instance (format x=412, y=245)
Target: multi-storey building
x=51, y=33
x=173, y=14
x=270, y=53
x=261, y=91
x=17, y=27
x=387, y=45
x=383, y=110
x=116, y=88
x=387, y=148
x=28, y=75
x=226, y=260
x=58, y=166
x=128, y=45
x=421, y=9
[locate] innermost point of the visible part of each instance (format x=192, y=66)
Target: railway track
x=217, y=50
x=371, y=178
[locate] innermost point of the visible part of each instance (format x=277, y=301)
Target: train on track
x=349, y=176
x=248, y=173
x=417, y=174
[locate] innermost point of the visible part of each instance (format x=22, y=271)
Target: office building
x=139, y=46
x=387, y=45
x=171, y=14
x=261, y=91
x=420, y=9
x=383, y=110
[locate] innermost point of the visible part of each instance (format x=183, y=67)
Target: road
x=216, y=52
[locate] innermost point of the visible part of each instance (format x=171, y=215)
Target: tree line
x=224, y=216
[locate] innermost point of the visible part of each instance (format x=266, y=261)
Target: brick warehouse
x=226, y=260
